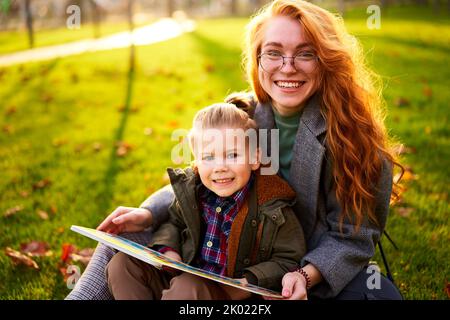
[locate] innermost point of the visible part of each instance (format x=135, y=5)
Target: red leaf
x=67, y=250
x=19, y=258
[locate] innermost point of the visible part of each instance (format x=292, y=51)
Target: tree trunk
x=233, y=7
x=170, y=7
x=29, y=23
x=95, y=13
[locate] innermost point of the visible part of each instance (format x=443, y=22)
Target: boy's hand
x=175, y=256
x=125, y=219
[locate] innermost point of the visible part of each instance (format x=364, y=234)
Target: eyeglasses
x=275, y=61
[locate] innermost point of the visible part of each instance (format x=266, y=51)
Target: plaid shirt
x=218, y=214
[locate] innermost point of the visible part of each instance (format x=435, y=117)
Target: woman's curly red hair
x=351, y=103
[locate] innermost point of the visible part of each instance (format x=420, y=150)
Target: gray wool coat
x=338, y=256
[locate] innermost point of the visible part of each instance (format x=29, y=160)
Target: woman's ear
x=255, y=161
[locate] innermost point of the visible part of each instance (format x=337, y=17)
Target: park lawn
x=11, y=41
x=61, y=119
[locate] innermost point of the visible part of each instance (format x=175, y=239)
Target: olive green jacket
x=265, y=241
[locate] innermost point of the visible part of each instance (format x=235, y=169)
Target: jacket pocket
x=271, y=222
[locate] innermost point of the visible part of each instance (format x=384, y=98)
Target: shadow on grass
x=412, y=43
x=225, y=62
x=113, y=168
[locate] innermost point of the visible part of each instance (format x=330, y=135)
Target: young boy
x=226, y=218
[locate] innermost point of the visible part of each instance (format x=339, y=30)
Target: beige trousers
x=132, y=279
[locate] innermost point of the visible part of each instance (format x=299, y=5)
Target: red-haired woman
x=308, y=80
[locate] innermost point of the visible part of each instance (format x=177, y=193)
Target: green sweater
x=288, y=126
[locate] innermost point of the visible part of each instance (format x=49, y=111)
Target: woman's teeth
x=289, y=84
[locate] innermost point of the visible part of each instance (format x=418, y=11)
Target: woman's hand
x=294, y=286
x=125, y=219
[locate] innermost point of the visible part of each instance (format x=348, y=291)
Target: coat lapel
x=308, y=153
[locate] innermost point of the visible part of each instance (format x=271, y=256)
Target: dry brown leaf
x=42, y=214
x=11, y=110
x=123, y=148
x=402, y=102
x=405, y=211
x=12, y=211
x=83, y=256
x=42, y=184
x=447, y=289
x=36, y=249
x=24, y=194
x=97, y=146
x=19, y=258
x=427, y=92
x=148, y=131
x=7, y=128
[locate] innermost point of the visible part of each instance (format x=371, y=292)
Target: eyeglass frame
x=316, y=58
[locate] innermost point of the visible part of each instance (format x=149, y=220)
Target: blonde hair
x=220, y=115
x=351, y=102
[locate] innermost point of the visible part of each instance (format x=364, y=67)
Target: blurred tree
x=95, y=12
x=170, y=7
x=29, y=22
x=233, y=7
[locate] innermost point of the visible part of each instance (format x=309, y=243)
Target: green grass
x=52, y=113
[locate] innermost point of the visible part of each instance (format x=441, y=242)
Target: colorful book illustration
x=158, y=260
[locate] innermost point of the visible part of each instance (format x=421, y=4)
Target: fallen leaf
x=67, y=250
x=148, y=131
x=12, y=211
x=42, y=184
x=53, y=209
x=11, y=110
x=427, y=92
x=7, y=128
x=173, y=124
x=402, y=102
x=123, y=148
x=209, y=67
x=60, y=229
x=83, y=256
x=447, y=289
x=19, y=258
x=428, y=130
x=24, y=194
x=58, y=142
x=97, y=146
x=405, y=211
x=36, y=249
x=46, y=98
x=42, y=214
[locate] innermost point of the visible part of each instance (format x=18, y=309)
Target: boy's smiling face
x=223, y=159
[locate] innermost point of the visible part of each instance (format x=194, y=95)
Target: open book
x=158, y=260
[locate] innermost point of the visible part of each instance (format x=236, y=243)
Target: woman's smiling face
x=289, y=87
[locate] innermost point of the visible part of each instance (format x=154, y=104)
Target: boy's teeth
x=222, y=180
x=286, y=84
